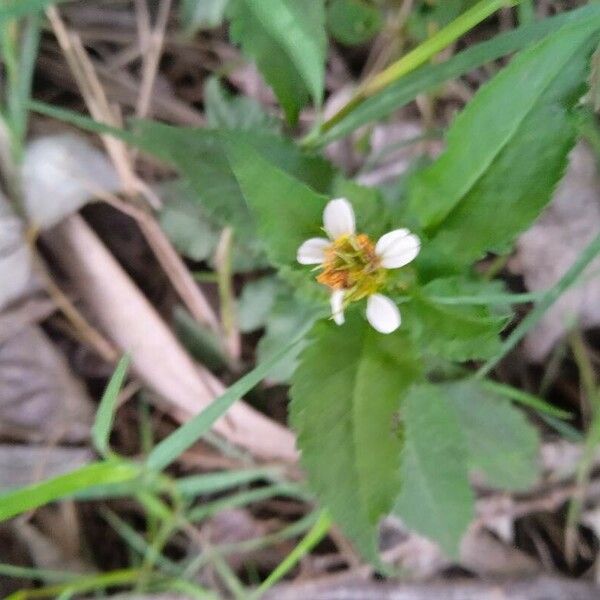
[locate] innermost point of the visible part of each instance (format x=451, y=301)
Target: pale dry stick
x=123, y=58
x=226, y=293
x=95, y=99
x=169, y=259
x=158, y=359
x=152, y=42
x=88, y=334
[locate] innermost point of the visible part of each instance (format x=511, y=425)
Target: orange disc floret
x=352, y=264
x=336, y=280
x=367, y=248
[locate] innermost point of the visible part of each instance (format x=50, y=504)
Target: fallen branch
x=133, y=325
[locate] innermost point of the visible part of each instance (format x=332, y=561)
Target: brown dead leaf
x=551, y=246
x=22, y=465
x=15, y=259
x=40, y=400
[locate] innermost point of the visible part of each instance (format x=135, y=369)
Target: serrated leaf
x=428, y=78
x=288, y=318
x=188, y=227
x=287, y=40
x=287, y=211
x=372, y=213
x=195, y=233
x=436, y=498
x=345, y=394
x=479, y=195
x=200, y=157
x=223, y=110
x=256, y=302
x=501, y=444
x=454, y=332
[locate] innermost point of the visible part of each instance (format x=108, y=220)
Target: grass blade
x=38, y=494
x=213, y=483
x=108, y=404
x=429, y=77
x=566, y=281
x=308, y=542
x=525, y=399
x=183, y=438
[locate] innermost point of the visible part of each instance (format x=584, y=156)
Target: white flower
x=354, y=268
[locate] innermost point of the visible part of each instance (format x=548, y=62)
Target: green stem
x=549, y=298
x=420, y=55
x=489, y=299
x=36, y=574
x=84, y=584
x=308, y=542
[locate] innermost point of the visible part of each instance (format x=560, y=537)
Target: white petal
x=383, y=314
x=312, y=252
x=337, y=307
x=338, y=218
x=397, y=248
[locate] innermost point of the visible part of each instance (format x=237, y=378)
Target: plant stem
x=420, y=55
x=308, y=542
x=549, y=298
x=489, y=299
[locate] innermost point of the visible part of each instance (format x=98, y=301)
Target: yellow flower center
x=351, y=264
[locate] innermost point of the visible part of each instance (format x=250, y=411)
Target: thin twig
x=152, y=42
x=99, y=107
x=169, y=259
x=228, y=316
x=92, y=336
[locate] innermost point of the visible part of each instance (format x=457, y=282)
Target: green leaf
x=202, y=14
x=284, y=225
x=429, y=17
x=200, y=157
x=201, y=341
x=38, y=494
x=13, y=9
x=429, y=77
x=186, y=224
x=195, y=233
x=256, y=302
x=501, y=443
x=479, y=195
x=372, y=215
x=287, y=40
x=289, y=318
x=214, y=483
x=287, y=211
x=167, y=451
x=317, y=532
x=457, y=333
x=345, y=394
x=353, y=22
x=108, y=405
x=223, y=110
x=436, y=498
